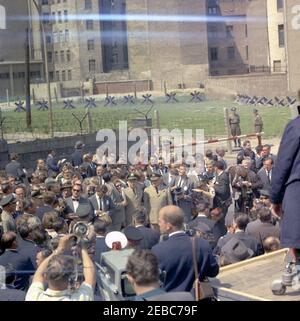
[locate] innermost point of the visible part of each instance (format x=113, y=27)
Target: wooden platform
x=251, y=280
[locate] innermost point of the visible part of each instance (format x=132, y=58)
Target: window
x=57, y=75
x=63, y=75
x=68, y=55
x=48, y=39
x=46, y=17
x=49, y=56
x=229, y=32
x=279, y=5
x=59, y=17
x=88, y=4
x=247, y=52
x=213, y=54
x=69, y=74
x=231, y=52
x=277, y=65
x=212, y=32
x=89, y=24
x=92, y=65
x=53, y=17
x=212, y=10
x=66, y=18
x=91, y=45
x=281, y=35
x=62, y=56
x=56, y=56
x=67, y=35
x=45, y=2
x=61, y=36
x=55, y=37
x=51, y=76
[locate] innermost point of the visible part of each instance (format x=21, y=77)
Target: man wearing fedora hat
x=8, y=204
x=156, y=196
x=234, y=251
x=234, y=123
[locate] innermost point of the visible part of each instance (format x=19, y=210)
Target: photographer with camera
x=57, y=271
x=246, y=184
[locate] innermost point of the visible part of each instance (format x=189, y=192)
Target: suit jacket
x=261, y=231
x=249, y=241
x=222, y=186
x=10, y=294
x=134, y=203
x=19, y=262
x=77, y=158
x=176, y=259
x=118, y=213
x=28, y=248
x=42, y=210
x=154, y=201
x=89, y=168
x=83, y=202
x=52, y=166
x=168, y=180
x=150, y=237
x=14, y=169
x=185, y=204
x=101, y=247
x=286, y=184
x=264, y=179
x=106, y=204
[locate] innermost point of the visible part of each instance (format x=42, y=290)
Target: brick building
x=148, y=43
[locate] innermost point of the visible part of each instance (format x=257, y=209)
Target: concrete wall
x=259, y=85
x=64, y=146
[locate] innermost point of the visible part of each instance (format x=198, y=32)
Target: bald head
x=172, y=218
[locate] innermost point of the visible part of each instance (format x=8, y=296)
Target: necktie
x=269, y=177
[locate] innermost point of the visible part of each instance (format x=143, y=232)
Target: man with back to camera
x=285, y=187
x=175, y=255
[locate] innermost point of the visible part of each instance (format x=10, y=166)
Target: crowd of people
x=159, y=208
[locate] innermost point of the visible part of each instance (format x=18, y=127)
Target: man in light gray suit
x=265, y=173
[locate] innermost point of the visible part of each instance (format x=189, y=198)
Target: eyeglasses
x=76, y=190
x=117, y=186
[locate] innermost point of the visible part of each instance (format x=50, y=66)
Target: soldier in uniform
x=258, y=125
x=234, y=123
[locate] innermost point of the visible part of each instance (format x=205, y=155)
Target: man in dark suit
x=265, y=173
x=49, y=200
x=265, y=154
x=78, y=205
x=263, y=227
x=240, y=222
x=14, y=169
x=222, y=186
x=53, y=166
x=143, y=273
x=88, y=166
x=175, y=255
x=77, y=156
x=285, y=184
x=100, y=228
x=101, y=202
x=212, y=229
x=183, y=198
x=19, y=261
x=150, y=236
